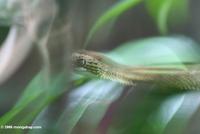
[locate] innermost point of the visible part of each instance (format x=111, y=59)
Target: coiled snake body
x=103, y=67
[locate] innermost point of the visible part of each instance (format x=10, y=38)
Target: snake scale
x=103, y=67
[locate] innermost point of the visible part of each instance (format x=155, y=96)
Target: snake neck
x=124, y=75
x=165, y=78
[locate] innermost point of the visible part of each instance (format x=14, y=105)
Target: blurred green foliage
x=111, y=14
x=38, y=94
x=165, y=10
x=148, y=113
x=160, y=10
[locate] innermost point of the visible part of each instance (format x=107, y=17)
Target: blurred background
x=38, y=86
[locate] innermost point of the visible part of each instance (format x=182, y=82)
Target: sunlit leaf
x=157, y=50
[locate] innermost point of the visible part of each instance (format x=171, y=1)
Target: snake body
x=103, y=67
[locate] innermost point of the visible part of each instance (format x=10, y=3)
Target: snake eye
x=81, y=62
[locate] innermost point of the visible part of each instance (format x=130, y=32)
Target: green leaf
x=157, y=51
x=98, y=94
x=38, y=95
x=109, y=15
x=174, y=113
x=161, y=10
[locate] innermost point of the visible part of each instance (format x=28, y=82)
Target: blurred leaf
x=156, y=114
x=109, y=15
x=92, y=93
x=39, y=94
x=174, y=113
x=161, y=10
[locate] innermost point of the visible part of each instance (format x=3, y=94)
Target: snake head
x=88, y=61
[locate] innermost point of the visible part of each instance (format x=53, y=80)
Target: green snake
x=103, y=67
